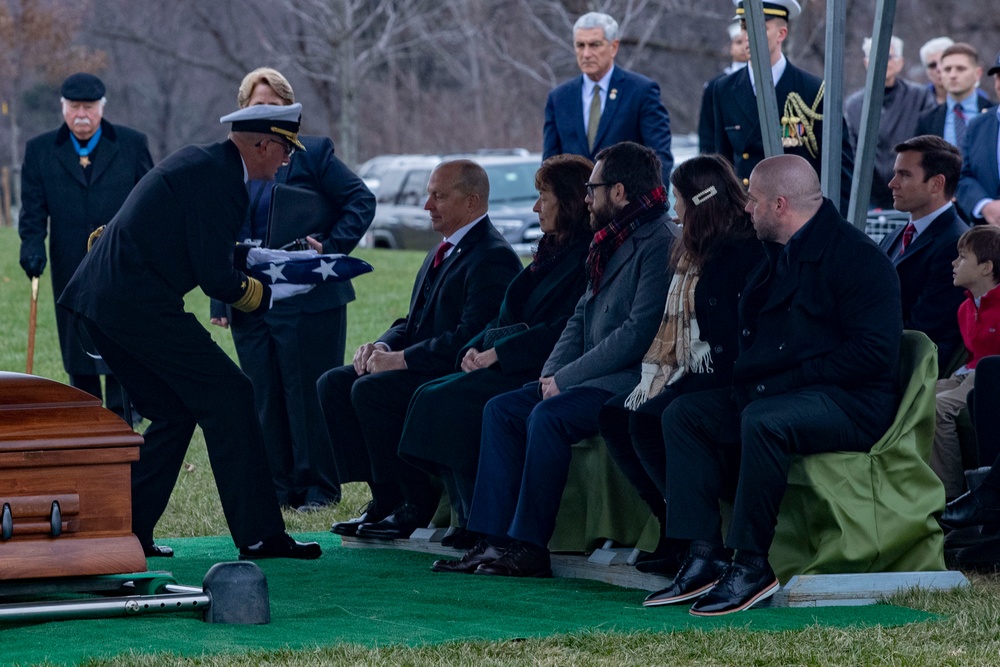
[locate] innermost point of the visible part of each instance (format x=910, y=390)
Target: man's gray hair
x=895, y=47
x=597, y=20
x=936, y=45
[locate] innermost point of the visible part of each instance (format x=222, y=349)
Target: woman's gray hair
x=597, y=20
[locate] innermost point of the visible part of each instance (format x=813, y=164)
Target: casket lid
x=38, y=413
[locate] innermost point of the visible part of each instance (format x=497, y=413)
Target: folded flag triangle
x=312, y=269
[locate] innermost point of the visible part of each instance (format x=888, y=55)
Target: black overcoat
x=431, y=433
x=58, y=201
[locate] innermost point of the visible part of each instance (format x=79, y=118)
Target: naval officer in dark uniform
x=177, y=231
x=800, y=105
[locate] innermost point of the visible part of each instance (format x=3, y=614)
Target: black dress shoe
x=404, y=520
x=741, y=587
x=519, y=560
x=157, y=551
x=482, y=553
x=281, y=546
x=666, y=560
x=967, y=510
x=984, y=556
x=369, y=514
x=460, y=538
x=696, y=577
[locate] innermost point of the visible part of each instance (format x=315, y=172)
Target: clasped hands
x=474, y=359
x=372, y=358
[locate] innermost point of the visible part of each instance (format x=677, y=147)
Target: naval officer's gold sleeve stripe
x=250, y=301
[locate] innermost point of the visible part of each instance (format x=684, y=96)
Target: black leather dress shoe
x=482, y=553
x=695, y=578
x=519, y=560
x=967, y=510
x=369, y=514
x=666, y=560
x=404, y=520
x=741, y=587
x=281, y=546
x=984, y=556
x=461, y=539
x=157, y=551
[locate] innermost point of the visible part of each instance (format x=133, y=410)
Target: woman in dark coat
x=444, y=419
x=695, y=348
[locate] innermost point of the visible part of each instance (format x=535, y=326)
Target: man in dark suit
x=979, y=186
x=528, y=432
x=73, y=180
x=706, y=114
x=924, y=179
x=458, y=290
x=960, y=74
x=606, y=104
x=737, y=123
x=177, y=231
x=285, y=351
x=820, y=330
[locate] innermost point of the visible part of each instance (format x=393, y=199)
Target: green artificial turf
x=382, y=597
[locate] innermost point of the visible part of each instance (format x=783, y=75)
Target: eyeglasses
x=288, y=148
x=591, y=186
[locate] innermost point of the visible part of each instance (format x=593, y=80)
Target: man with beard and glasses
x=527, y=433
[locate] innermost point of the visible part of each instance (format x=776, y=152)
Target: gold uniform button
x=746, y=181
x=746, y=156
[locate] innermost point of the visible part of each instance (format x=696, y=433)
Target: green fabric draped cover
x=842, y=513
x=849, y=512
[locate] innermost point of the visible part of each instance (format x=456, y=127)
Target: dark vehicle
x=400, y=186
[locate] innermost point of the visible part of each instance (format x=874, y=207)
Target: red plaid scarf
x=608, y=239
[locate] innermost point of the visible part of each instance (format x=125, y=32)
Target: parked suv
x=400, y=186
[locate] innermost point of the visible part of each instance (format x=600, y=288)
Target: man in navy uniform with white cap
x=74, y=180
x=177, y=231
x=800, y=106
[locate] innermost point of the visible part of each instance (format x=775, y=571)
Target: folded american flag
x=302, y=267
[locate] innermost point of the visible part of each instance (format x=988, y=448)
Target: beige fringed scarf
x=677, y=349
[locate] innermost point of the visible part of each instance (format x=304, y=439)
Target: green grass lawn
x=968, y=632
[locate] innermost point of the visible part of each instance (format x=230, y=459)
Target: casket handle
x=7, y=522
x=55, y=519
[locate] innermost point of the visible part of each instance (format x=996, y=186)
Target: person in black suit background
x=740, y=55
x=925, y=177
x=960, y=74
x=737, y=123
x=176, y=231
x=606, y=104
x=820, y=331
x=512, y=348
x=979, y=186
x=457, y=291
x=696, y=346
x=74, y=180
x=285, y=351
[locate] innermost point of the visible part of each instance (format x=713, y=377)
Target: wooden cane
x=32, y=321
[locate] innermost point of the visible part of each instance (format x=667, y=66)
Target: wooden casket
x=65, y=466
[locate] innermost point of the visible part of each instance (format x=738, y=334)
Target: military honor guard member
x=800, y=106
x=177, y=231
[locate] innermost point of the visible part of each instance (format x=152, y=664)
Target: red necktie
x=445, y=247
x=907, y=237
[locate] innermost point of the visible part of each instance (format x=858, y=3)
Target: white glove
x=257, y=256
x=284, y=290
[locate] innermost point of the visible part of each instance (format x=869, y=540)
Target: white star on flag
x=276, y=272
x=325, y=269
